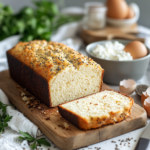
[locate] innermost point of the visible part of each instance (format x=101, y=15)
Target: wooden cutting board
x=52, y=124
x=109, y=33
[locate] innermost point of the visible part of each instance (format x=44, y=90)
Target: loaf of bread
x=53, y=72
x=96, y=110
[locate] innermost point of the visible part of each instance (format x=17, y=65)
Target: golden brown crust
x=49, y=58
x=96, y=122
x=33, y=64
x=27, y=78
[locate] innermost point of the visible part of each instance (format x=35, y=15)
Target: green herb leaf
x=8, y=118
x=38, y=22
x=5, y=124
x=43, y=141
x=1, y=124
x=1, y=5
x=26, y=134
x=33, y=146
x=20, y=137
x=29, y=138
x=8, y=10
x=21, y=26
x=27, y=11
x=3, y=117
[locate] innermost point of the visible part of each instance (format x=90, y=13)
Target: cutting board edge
x=74, y=143
x=142, y=119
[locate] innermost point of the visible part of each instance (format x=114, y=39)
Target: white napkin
x=19, y=122
x=5, y=45
x=10, y=141
x=68, y=34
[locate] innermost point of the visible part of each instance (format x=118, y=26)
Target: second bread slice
x=106, y=107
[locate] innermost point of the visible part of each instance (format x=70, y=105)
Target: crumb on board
x=66, y=125
x=23, y=94
x=25, y=98
x=47, y=118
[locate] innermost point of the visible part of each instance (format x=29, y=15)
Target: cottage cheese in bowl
x=111, y=51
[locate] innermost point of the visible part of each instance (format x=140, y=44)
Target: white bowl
x=126, y=22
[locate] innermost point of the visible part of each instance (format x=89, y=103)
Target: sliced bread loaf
x=96, y=110
x=53, y=72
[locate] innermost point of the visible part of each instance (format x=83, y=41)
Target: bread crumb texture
x=70, y=75
x=99, y=109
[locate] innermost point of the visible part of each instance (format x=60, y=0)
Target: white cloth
x=19, y=122
x=5, y=45
x=9, y=141
x=66, y=34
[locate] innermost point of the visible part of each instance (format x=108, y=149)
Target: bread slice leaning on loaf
x=53, y=72
x=96, y=110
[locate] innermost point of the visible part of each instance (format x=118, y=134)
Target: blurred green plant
x=33, y=23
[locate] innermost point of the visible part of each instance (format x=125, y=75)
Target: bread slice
x=53, y=72
x=96, y=110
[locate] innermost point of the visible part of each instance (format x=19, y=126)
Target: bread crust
x=101, y=80
x=27, y=78
x=34, y=64
x=95, y=122
x=43, y=56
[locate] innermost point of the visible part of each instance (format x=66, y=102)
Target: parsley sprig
x=33, y=23
x=35, y=142
x=4, y=118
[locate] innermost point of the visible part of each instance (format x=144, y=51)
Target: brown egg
x=147, y=106
x=131, y=13
x=136, y=49
x=117, y=9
